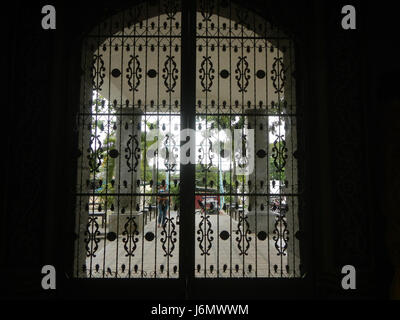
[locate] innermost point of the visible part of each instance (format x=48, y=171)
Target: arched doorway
x=233, y=207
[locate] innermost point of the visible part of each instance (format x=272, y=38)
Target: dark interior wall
x=341, y=72
x=381, y=126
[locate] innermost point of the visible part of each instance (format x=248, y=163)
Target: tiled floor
x=239, y=255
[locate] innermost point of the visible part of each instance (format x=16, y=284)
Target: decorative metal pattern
x=133, y=153
x=279, y=153
x=278, y=75
x=92, y=237
x=206, y=74
x=171, y=8
x=129, y=89
x=129, y=152
x=134, y=73
x=171, y=151
x=170, y=74
x=206, y=9
x=206, y=155
x=281, y=235
x=168, y=237
x=95, y=153
x=243, y=239
x=250, y=201
x=98, y=72
x=242, y=74
x=205, y=237
x=130, y=238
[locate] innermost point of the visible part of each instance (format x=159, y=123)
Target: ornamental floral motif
x=242, y=74
x=206, y=74
x=281, y=235
x=243, y=239
x=278, y=75
x=205, y=237
x=170, y=74
x=279, y=153
x=132, y=153
x=98, y=72
x=168, y=237
x=95, y=153
x=130, y=236
x=171, y=8
x=134, y=73
x=92, y=237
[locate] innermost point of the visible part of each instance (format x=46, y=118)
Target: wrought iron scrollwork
x=134, y=73
x=281, y=236
x=203, y=145
x=92, y=237
x=279, y=153
x=143, y=54
x=242, y=158
x=243, y=239
x=242, y=74
x=130, y=236
x=168, y=237
x=206, y=9
x=170, y=162
x=133, y=152
x=278, y=75
x=95, y=155
x=170, y=74
x=206, y=72
x=98, y=72
x=205, y=238
x=171, y=8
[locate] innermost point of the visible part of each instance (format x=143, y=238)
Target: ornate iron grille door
x=241, y=101
x=246, y=171
x=129, y=146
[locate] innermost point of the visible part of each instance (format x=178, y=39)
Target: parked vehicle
x=206, y=200
x=277, y=205
x=209, y=206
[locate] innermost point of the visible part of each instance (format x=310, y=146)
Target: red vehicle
x=204, y=199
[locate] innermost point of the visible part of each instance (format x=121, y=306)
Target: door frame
x=187, y=286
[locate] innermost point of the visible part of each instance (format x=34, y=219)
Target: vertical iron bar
x=279, y=236
x=158, y=129
x=108, y=136
x=207, y=150
x=120, y=107
x=232, y=135
x=219, y=165
x=145, y=134
x=243, y=235
x=188, y=97
x=255, y=145
x=268, y=153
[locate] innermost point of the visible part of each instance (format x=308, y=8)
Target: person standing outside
x=162, y=205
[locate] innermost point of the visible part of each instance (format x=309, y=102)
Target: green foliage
x=176, y=197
